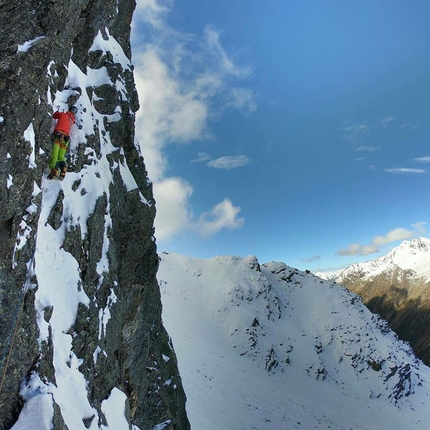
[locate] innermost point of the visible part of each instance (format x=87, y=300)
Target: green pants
x=59, y=149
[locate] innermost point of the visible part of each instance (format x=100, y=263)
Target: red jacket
x=65, y=121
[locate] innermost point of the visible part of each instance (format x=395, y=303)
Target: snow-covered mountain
x=396, y=286
x=270, y=347
x=411, y=257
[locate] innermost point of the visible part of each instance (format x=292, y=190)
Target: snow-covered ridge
x=411, y=255
x=275, y=346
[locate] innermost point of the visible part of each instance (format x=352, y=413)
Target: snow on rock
x=162, y=426
x=111, y=407
x=29, y=137
x=27, y=45
x=38, y=408
x=62, y=295
x=270, y=347
x=112, y=46
x=9, y=181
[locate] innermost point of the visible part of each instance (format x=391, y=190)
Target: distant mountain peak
x=411, y=256
x=415, y=246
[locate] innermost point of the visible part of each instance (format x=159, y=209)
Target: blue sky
x=296, y=131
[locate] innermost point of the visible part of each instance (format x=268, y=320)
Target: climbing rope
x=7, y=350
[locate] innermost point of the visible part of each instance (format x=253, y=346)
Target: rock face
x=80, y=308
x=397, y=286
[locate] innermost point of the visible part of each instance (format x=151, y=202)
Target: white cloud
x=242, y=99
x=223, y=215
x=229, y=162
x=152, y=12
x=181, y=80
x=367, y=148
x=212, y=39
x=409, y=126
x=202, y=157
x=356, y=131
x=385, y=121
x=392, y=236
x=357, y=249
x=173, y=211
x=311, y=259
x=423, y=159
x=400, y=170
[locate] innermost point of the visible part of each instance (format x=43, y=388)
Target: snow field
x=211, y=308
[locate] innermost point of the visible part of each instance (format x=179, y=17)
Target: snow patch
x=278, y=347
x=127, y=177
x=38, y=410
x=113, y=409
x=105, y=315
x=27, y=45
x=30, y=137
x=162, y=426
x=112, y=46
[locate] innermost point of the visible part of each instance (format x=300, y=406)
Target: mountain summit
x=270, y=347
x=411, y=257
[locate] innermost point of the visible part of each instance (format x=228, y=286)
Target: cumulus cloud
x=223, y=215
x=173, y=211
x=167, y=112
x=184, y=81
x=152, y=12
x=392, y=236
x=357, y=249
x=229, y=162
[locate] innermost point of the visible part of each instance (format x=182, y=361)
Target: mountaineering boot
x=63, y=173
x=53, y=174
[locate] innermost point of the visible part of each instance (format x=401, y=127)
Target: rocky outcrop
x=101, y=216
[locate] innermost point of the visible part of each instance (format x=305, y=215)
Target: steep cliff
x=81, y=335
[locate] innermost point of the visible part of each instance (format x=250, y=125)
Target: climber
x=60, y=142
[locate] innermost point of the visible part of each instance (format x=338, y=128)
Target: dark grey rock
x=135, y=340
